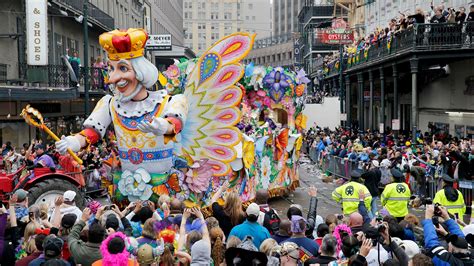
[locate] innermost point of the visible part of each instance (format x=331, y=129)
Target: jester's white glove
x=159, y=126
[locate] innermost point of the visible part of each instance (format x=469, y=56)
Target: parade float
x=217, y=120
x=271, y=124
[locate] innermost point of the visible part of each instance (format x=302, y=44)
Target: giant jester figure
x=153, y=128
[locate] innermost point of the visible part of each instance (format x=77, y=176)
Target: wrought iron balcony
x=51, y=76
x=96, y=16
x=437, y=38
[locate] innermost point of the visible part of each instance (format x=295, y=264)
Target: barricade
x=342, y=167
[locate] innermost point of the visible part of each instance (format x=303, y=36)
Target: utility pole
x=341, y=87
x=86, y=57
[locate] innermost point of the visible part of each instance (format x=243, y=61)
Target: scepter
x=33, y=117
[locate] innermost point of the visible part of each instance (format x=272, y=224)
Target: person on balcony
x=461, y=15
x=470, y=16
x=75, y=62
x=418, y=17
x=438, y=17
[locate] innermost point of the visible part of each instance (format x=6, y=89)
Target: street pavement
x=309, y=175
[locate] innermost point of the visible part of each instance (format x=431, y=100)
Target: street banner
x=37, y=32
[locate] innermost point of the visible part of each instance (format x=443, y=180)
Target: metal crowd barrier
x=342, y=167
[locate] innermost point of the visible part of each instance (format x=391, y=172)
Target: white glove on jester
x=68, y=142
x=159, y=126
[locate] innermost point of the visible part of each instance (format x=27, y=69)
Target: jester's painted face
x=122, y=77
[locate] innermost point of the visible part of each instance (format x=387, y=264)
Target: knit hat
x=201, y=253
x=457, y=241
x=68, y=220
x=145, y=254
x=52, y=246
x=112, y=222
x=21, y=194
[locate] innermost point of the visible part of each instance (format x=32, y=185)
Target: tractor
x=44, y=184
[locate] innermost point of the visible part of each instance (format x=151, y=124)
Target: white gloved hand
x=70, y=142
x=159, y=126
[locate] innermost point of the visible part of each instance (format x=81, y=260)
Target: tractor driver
x=41, y=158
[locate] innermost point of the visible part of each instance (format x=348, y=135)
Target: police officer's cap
x=447, y=179
x=356, y=174
x=397, y=174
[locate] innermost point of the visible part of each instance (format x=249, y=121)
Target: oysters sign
x=37, y=32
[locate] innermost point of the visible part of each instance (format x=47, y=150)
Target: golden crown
x=124, y=44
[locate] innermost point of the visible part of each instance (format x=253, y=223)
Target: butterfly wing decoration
x=213, y=103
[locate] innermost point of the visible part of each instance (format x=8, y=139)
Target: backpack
x=271, y=221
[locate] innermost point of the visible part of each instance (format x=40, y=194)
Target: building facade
x=205, y=22
x=313, y=17
x=279, y=48
x=285, y=16
x=421, y=81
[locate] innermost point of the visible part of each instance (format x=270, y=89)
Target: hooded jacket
x=439, y=254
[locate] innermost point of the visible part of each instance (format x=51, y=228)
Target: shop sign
x=37, y=32
x=160, y=42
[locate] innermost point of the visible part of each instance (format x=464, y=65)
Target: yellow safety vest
x=395, y=199
x=453, y=207
x=348, y=194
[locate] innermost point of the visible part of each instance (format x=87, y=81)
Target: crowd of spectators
x=165, y=232
x=437, y=14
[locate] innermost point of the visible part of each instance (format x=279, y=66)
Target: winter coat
x=436, y=251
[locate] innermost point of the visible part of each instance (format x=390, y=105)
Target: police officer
x=450, y=198
x=348, y=194
x=396, y=195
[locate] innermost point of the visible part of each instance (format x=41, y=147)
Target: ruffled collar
x=139, y=108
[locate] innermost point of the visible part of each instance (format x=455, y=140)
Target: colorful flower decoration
x=301, y=77
x=278, y=82
x=172, y=72
x=256, y=80
x=135, y=185
x=198, y=176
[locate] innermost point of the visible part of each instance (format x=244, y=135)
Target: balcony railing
x=58, y=76
x=55, y=76
x=422, y=37
x=96, y=78
x=96, y=15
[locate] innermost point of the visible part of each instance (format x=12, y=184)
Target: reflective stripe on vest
x=454, y=206
x=399, y=198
